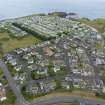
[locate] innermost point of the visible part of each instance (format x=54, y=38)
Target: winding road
x=55, y=100
x=69, y=99
x=20, y=100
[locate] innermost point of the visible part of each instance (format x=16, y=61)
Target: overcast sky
x=15, y=8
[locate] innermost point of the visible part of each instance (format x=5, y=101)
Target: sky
x=17, y=8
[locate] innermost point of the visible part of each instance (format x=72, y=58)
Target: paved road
x=69, y=99
x=20, y=100
x=96, y=69
x=66, y=58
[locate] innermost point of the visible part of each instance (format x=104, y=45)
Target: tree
x=51, y=72
x=58, y=84
x=34, y=75
x=50, y=69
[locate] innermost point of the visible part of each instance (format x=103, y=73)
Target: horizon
x=20, y=8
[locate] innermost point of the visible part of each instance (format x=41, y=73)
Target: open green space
x=7, y=43
x=1, y=72
x=98, y=23
x=10, y=98
x=100, y=95
x=2, y=78
x=11, y=69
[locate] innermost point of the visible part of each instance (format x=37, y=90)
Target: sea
x=17, y=8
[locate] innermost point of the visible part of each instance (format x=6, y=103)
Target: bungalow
x=25, y=49
x=18, y=67
x=81, y=51
x=43, y=62
x=30, y=61
x=42, y=71
x=65, y=85
x=47, y=86
x=20, y=78
x=32, y=88
x=58, y=62
x=98, y=61
x=76, y=71
x=68, y=78
x=8, y=57
x=13, y=62
x=26, y=56
x=18, y=51
x=99, y=37
x=99, y=83
x=76, y=83
x=33, y=67
x=56, y=68
x=33, y=52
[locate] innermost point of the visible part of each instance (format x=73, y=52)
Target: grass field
x=98, y=23
x=7, y=43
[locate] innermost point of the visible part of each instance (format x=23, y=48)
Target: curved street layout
x=68, y=99
x=20, y=100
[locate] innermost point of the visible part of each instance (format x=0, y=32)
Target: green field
x=8, y=43
x=98, y=23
